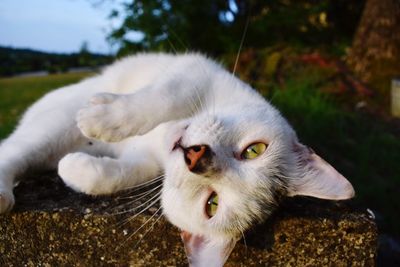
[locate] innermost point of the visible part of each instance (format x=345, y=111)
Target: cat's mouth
x=177, y=144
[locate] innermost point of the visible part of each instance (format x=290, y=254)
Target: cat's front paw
x=6, y=201
x=107, y=118
x=76, y=171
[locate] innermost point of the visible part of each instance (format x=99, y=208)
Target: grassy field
x=17, y=93
x=363, y=148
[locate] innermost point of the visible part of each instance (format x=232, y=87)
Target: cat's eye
x=212, y=205
x=253, y=150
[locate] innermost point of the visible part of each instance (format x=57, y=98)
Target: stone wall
x=53, y=226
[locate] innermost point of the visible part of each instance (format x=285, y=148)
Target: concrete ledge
x=53, y=226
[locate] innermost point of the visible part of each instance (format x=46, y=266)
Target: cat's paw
x=6, y=201
x=107, y=118
x=78, y=172
x=103, y=98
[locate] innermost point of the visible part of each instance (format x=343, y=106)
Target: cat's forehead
x=244, y=125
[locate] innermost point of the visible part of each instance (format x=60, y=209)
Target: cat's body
x=185, y=116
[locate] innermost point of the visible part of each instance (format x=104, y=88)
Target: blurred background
x=331, y=66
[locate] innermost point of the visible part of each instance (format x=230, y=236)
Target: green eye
x=253, y=151
x=212, y=205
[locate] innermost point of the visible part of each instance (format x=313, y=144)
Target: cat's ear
x=203, y=251
x=317, y=178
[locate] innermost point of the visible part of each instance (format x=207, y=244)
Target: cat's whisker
x=149, y=182
x=128, y=195
x=206, y=73
x=129, y=219
x=150, y=228
x=194, y=106
x=141, y=227
x=137, y=197
x=129, y=189
x=177, y=38
x=131, y=235
x=126, y=220
x=172, y=46
x=198, y=101
x=194, y=103
x=122, y=207
x=241, y=228
x=241, y=45
x=213, y=102
x=157, y=196
x=201, y=103
x=212, y=93
x=132, y=194
x=244, y=240
x=202, y=106
x=196, y=89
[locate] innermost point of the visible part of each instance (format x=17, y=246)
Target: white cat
x=227, y=154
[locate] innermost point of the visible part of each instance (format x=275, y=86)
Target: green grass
x=363, y=148
x=18, y=93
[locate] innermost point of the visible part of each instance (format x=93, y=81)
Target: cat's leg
x=46, y=133
x=111, y=117
x=103, y=175
x=32, y=145
x=139, y=160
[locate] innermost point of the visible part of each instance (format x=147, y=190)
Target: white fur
x=144, y=104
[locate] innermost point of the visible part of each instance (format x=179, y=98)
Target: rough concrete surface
x=53, y=226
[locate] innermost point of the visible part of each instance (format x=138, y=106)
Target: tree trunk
x=375, y=53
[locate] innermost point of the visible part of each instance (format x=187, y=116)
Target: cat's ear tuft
x=317, y=178
x=203, y=251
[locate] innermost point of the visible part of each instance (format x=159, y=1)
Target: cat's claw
x=105, y=118
x=6, y=201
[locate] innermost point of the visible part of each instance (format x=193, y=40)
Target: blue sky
x=55, y=25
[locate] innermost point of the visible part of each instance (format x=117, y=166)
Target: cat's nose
x=198, y=158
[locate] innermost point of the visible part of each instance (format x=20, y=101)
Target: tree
x=84, y=55
x=375, y=53
x=216, y=26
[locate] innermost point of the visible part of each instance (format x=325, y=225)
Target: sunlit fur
x=247, y=189
x=119, y=129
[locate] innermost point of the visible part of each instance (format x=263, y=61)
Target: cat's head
x=227, y=171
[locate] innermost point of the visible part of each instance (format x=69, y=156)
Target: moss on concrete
x=53, y=226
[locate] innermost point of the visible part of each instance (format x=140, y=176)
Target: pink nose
x=193, y=154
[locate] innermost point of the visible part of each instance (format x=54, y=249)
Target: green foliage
x=217, y=26
x=362, y=148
